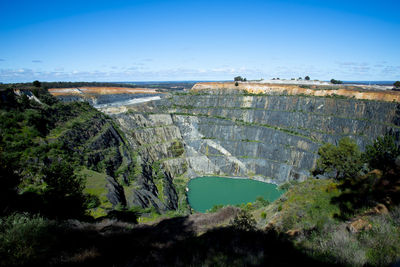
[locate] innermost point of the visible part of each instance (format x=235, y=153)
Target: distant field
x=101, y=91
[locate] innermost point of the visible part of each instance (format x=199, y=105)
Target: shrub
x=382, y=242
x=382, y=153
x=244, y=221
x=341, y=161
x=93, y=201
x=262, y=201
x=215, y=208
x=25, y=239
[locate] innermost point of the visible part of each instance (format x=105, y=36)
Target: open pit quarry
x=267, y=132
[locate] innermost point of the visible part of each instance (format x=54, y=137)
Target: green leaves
x=341, y=161
x=382, y=153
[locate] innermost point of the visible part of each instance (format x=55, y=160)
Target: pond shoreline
x=255, y=178
x=207, y=191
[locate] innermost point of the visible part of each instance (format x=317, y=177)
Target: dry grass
x=204, y=221
x=84, y=256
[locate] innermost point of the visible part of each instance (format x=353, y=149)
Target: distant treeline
x=47, y=85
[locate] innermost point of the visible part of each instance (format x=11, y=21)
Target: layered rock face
x=268, y=136
x=102, y=96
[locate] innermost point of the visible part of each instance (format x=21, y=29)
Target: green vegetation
x=26, y=239
x=37, y=84
x=307, y=213
x=177, y=149
x=344, y=220
x=396, y=84
x=96, y=187
x=239, y=79
x=307, y=205
x=339, y=162
x=180, y=184
x=42, y=147
x=244, y=221
x=167, y=86
x=333, y=81
x=55, y=157
x=362, y=186
x=382, y=153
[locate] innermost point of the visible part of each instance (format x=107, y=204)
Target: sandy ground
x=101, y=91
x=357, y=92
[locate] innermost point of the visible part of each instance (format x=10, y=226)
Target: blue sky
x=198, y=40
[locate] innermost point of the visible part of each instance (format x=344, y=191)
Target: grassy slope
x=96, y=185
x=307, y=214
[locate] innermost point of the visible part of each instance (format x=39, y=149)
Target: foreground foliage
x=309, y=216
x=26, y=239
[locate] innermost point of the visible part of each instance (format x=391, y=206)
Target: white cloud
x=347, y=71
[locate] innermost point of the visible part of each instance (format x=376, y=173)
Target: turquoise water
x=205, y=192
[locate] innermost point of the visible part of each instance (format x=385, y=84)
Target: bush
x=382, y=242
x=244, y=221
x=341, y=161
x=25, y=239
x=92, y=201
x=382, y=153
x=215, y=208
x=262, y=201
x=397, y=84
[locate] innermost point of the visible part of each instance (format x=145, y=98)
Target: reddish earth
x=101, y=91
x=346, y=91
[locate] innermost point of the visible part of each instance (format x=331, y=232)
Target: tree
x=63, y=192
x=336, y=81
x=341, y=161
x=238, y=79
x=9, y=179
x=37, y=84
x=382, y=153
x=307, y=78
x=397, y=84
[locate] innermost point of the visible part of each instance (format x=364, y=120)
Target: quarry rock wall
x=269, y=136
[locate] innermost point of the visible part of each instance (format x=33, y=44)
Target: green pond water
x=205, y=192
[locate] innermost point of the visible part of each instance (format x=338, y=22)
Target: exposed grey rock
x=273, y=137
x=115, y=192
